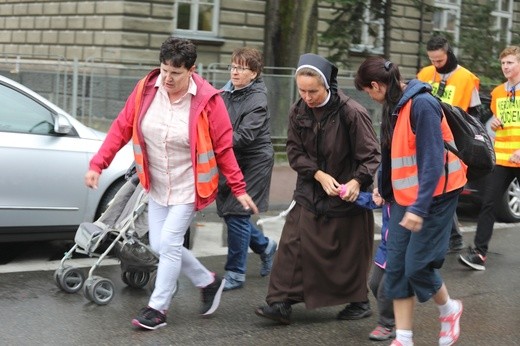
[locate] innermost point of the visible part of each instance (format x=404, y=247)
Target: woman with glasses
x=245, y=96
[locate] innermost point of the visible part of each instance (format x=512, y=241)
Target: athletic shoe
x=267, y=258
x=456, y=245
x=149, y=318
x=211, y=296
x=450, y=336
x=381, y=333
x=232, y=284
x=279, y=312
x=473, y=259
x=398, y=343
x=355, y=311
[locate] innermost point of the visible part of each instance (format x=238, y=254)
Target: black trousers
x=494, y=187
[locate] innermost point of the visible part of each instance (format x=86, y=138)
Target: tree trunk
x=291, y=28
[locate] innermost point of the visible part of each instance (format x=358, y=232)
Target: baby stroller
x=122, y=231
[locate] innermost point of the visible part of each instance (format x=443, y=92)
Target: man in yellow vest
x=455, y=85
x=505, y=105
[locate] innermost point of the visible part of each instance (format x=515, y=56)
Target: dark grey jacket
x=252, y=145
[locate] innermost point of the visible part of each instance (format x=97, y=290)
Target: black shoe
x=473, y=259
x=279, y=312
x=211, y=296
x=456, y=245
x=149, y=318
x=355, y=311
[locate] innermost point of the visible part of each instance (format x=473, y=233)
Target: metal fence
x=94, y=92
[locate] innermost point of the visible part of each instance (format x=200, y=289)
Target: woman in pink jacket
x=182, y=138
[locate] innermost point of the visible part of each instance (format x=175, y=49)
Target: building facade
x=88, y=54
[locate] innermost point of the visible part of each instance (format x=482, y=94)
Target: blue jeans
x=242, y=234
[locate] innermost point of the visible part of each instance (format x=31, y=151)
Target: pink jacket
x=221, y=132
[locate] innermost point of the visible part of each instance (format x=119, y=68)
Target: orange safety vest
x=206, y=168
x=507, y=139
x=404, y=173
x=459, y=85
x=138, y=151
x=206, y=164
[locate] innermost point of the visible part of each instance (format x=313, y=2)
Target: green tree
x=345, y=28
x=291, y=28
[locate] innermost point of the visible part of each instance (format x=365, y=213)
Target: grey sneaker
x=233, y=281
x=267, y=258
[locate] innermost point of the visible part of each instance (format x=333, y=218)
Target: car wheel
x=108, y=196
x=509, y=208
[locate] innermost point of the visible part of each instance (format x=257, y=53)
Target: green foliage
x=345, y=27
x=479, y=48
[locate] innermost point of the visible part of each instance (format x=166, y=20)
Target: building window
x=196, y=17
x=446, y=18
x=371, y=35
x=503, y=20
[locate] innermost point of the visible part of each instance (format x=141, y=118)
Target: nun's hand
x=328, y=183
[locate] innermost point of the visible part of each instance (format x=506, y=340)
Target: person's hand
x=328, y=183
x=515, y=157
x=247, y=203
x=495, y=124
x=411, y=222
x=92, y=179
x=350, y=191
x=376, y=197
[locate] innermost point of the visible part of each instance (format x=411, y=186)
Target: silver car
x=44, y=155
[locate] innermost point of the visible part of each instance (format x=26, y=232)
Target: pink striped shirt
x=166, y=131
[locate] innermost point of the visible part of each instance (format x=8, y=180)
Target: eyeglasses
x=237, y=68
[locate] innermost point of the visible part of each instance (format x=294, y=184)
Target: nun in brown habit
x=325, y=249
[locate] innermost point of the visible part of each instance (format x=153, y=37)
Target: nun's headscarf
x=327, y=70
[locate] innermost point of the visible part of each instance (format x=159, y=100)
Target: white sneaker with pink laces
x=450, y=327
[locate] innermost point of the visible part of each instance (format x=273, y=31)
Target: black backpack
x=474, y=146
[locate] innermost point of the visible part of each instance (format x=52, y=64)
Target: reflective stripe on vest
x=138, y=151
x=206, y=168
x=405, y=181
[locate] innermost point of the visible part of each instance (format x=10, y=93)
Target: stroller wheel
x=70, y=279
x=124, y=278
x=57, y=274
x=86, y=289
x=101, y=291
x=137, y=279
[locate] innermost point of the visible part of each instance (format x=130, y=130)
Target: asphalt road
x=33, y=311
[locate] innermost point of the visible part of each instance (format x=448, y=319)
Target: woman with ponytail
x=422, y=181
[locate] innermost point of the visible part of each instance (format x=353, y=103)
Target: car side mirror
x=62, y=125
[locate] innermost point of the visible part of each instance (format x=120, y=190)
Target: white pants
x=167, y=227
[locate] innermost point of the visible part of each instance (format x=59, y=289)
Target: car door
x=41, y=178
